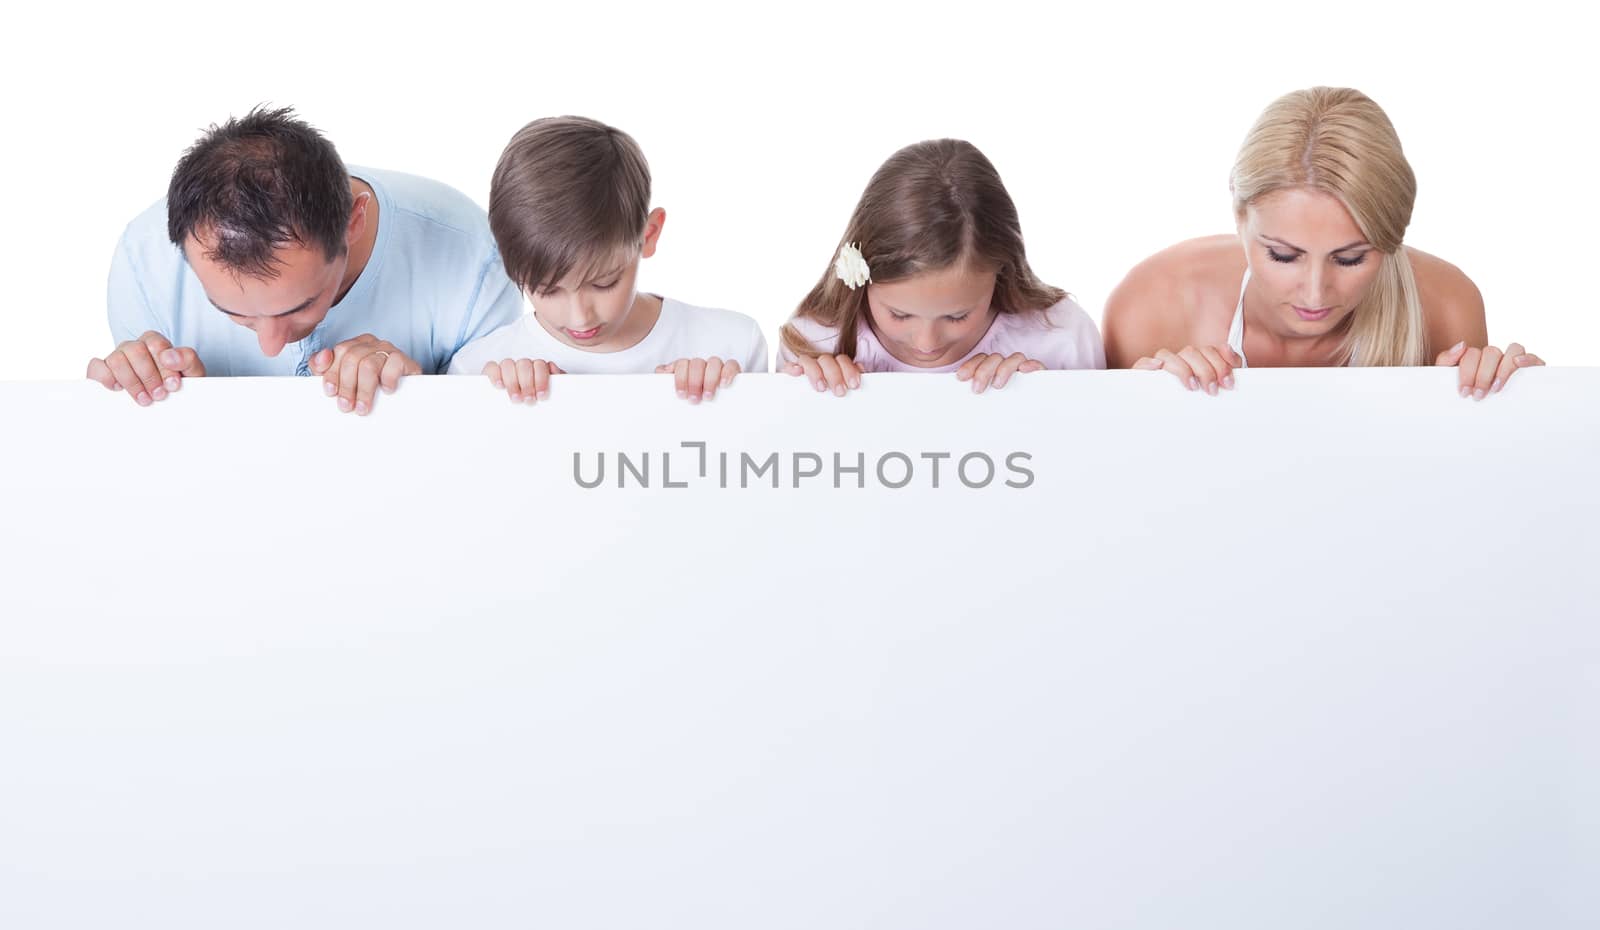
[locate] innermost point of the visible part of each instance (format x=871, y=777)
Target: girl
x=1322, y=195
x=931, y=275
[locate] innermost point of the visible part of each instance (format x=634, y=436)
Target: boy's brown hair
x=568, y=191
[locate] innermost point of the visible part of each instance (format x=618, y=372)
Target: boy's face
x=592, y=308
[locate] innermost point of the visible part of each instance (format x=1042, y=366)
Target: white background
x=1112, y=125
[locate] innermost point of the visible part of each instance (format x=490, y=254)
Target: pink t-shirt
x=1061, y=337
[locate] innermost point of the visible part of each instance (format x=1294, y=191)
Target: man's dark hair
x=256, y=183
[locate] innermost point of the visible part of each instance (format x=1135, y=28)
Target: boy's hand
x=699, y=378
x=526, y=380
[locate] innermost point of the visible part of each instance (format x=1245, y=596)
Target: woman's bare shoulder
x=1172, y=298
x=1452, y=306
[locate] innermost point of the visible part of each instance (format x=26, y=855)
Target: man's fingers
x=369, y=375
x=127, y=379
x=394, y=367
x=99, y=371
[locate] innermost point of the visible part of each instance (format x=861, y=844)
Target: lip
x=584, y=335
x=1313, y=315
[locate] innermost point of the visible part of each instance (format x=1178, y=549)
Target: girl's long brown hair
x=930, y=206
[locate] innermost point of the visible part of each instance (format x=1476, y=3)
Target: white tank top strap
x=1236, y=330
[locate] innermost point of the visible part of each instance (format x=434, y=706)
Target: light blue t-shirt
x=433, y=284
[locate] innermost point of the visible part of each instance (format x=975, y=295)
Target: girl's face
x=933, y=319
x=1309, y=263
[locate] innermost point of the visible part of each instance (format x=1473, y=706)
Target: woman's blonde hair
x=1337, y=141
x=930, y=206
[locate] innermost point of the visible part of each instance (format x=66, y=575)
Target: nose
x=273, y=336
x=1316, y=286
x=583, y=315
x=925, y=338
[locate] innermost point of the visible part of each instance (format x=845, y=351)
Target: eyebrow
x=1290, y=245
x=271, y=316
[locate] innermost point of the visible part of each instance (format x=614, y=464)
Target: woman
x=1322, y=195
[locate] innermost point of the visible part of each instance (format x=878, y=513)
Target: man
x=268, y=257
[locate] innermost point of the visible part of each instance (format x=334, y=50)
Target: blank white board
x=1320, y=652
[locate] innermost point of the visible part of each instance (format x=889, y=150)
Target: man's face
x=281, y=309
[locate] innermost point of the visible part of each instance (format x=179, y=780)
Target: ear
x=357, y=226
x=652, y=230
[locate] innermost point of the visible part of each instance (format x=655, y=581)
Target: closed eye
x=1280, y=257
x=1351, y=262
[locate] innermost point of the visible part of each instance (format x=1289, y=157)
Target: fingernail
x=361, y=408
x=1228, y=382
x=1495, y=387
x=1212, y=389
x=822, y=385
x=682, y=394
x=344, y=404
x=515, y=397
x=143, y=399
x=694, y=398
x=855, y=383
x=1478, y=394
x=838, y=390
x=159, y=393
x=1465, y=390
x=172, y=384
x=1458, y=345
x=170, y=359
x=1194, y=384
x=543, y=394
x=329, y=388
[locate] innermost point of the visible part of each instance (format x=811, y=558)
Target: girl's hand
x=836, y=373
x=1485, y=371
x=525, y=379
x=695, y=378
x=1198, y=368
x=985, y=369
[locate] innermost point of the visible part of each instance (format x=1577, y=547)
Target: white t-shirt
x=681, y=331
x=1062, y=337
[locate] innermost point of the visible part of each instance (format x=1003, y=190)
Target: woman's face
x=1309, y=263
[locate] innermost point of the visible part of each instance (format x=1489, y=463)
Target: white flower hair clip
x=851, y=267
